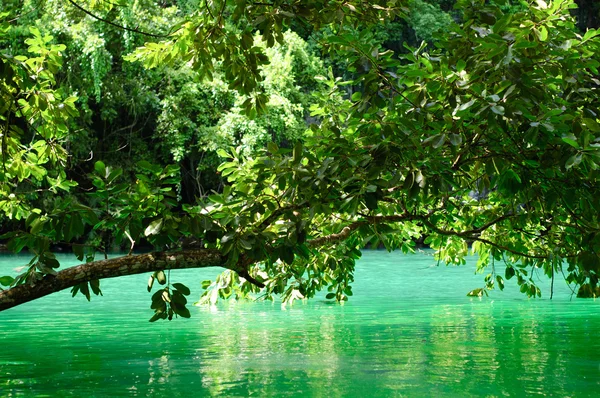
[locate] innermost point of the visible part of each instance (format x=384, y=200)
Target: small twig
x=132, y=242
x=115, y=24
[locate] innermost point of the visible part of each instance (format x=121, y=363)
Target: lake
x=409, y=330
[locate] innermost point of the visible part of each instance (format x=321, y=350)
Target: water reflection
x=446, y=350
x=421, y=343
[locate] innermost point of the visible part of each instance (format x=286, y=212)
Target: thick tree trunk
x=111, y=268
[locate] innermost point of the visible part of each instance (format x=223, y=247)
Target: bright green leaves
x=6, y=281
x=130, y=212
x=100, y=168
x=490, y=137
x=27, y=92
x=33, y=156
x=571, y=140
x=226, y=285
x=541, y=33
x=205, y=43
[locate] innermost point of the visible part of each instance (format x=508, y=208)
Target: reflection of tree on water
x=449, y=348
x=511, y=346
x=396, y=337
x=266, y=352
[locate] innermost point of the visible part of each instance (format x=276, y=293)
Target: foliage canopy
x=487, y=136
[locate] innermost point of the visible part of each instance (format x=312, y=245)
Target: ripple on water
x=409, y=330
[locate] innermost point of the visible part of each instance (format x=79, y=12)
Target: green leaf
x=500, y=282
x=158, y=315
x=150, y=282
x=78, y=250
x=590, y=33
x=114, y=174
x=154, y=227
x=281, y=182
x=160, y=277
x=498, y=109
x=571, y=140
x=435, y=140
x=476, y=292
x=216, y=198
x=409, y=181
x=573, y=161
x=330, y=296
x=509, y=273
x=36, y=225
x=371, y=200
x=182, y=311
x=147, y=166
x=591, y=124
x=6, y=280
x=223, y=153
x=245, y=244
x=297, y=154
x=182, y=288
x=541, y=33
x=75, y=226
x=95, y=285
x=286, y=255
x=509, y=56
x=438, y=141
x=455, y=139
x=466, y=105
x=272, y=147
x=84, y=289
x=100, y=168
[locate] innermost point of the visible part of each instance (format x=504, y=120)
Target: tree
x=489, y=139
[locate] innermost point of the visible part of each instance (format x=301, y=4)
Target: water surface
x=409, y=330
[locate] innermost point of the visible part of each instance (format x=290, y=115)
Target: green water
x=409, y=331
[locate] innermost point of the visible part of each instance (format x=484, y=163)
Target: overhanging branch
x=111, y=268
x=203, y=258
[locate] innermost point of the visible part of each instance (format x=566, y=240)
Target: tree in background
x=487, y=138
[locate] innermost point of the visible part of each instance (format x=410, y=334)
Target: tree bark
x=138, y=264
x=111, y=268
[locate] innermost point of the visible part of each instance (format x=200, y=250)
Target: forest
x=277, y=139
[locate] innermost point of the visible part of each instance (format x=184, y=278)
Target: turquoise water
x=409, y=330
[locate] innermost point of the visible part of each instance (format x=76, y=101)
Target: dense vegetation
x=277, y=140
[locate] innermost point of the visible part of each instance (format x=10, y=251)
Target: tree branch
x=203, y=258
x=343, y=234
x=111, y=268
x=347, y=230
x=116, y=25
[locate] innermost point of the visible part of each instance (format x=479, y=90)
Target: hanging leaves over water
x=485, y=142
